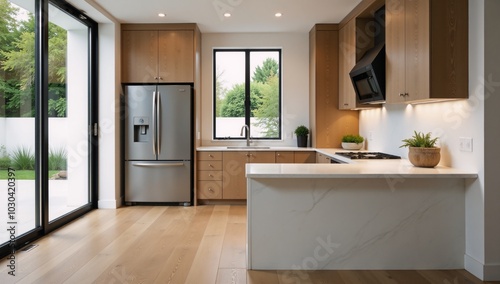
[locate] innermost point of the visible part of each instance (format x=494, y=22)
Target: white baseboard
x=485, y=272
x=109, y=204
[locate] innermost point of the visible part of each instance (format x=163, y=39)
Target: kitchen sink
x=248, y=147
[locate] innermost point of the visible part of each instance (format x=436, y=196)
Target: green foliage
x=352, y=139
x=233, y=104
x=17, y=61
x=264, y=98
x=421, y=140
x=23, y=159
x=4, y=158
x=301, y=131
x=269, y=69
x=268, y=112
x=57, y=159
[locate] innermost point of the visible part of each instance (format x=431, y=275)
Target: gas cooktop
x=367, y=155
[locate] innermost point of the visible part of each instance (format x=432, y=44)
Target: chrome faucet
x=248, y=133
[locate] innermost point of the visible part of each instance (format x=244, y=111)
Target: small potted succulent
x=352, y=142
x=423, y=151
x=302, y=133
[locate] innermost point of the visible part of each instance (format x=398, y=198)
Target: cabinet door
x=347, y=60
x=417, y=60
x=176, y=56
x=234, y=183
x=284, y=157
x=139, y=56
x=395, y=52
x=261, y=157
x=304, y=157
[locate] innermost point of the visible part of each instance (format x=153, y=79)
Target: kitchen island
x=364, y=215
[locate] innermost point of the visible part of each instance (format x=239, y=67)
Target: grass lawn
x=23, y=174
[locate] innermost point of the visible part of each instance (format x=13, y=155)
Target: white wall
x=451, y=120
x=492, y=138
x=109, y=116
x=295, y=79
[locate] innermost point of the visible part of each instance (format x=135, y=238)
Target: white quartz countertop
x=393, y=169
x=352, y=169
x=254, y=148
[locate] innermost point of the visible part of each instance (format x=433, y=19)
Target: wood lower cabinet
x=234, y=180
x=285, y=157
x=209, y=175
x=304, y=157
x=221, y=175
x=322, y=159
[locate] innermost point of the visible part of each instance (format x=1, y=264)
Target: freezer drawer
x=158, y=181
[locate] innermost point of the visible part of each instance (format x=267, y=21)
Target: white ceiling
x=247, y=15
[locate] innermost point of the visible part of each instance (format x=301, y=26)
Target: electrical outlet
x=465, y=144
x=370, y=136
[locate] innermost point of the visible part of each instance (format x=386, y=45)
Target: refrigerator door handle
x=158, y=135
x=154, y=124
x=158, y=165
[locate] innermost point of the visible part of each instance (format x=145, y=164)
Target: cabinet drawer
x=210, y=165
x=209, y=156
x=209, y=189
x=209, y=175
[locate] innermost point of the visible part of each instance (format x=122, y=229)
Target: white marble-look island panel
x=319, y=221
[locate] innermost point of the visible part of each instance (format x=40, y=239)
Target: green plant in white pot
x=352, y=142
x=302, y=133
x=423, y=151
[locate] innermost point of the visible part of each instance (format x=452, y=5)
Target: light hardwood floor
x=204, y=244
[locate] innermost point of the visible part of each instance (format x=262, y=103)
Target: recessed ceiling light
x=277, y=15
x=227, y=14
x=161, y=14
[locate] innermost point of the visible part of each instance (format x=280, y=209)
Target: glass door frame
x=42, y=224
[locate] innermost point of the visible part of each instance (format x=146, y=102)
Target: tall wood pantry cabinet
x=159, y=53
x=427, y=50
x=328, y=124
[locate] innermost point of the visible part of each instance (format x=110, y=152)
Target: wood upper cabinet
x=327, y=123
x=176, y=56
x=427, y=50
x=158, y=53
x=347, y=60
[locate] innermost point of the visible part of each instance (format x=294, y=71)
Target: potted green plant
x=352, y=142
x=422, y=150
x=302, y=133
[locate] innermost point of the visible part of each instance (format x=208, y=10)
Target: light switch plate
x=465, y=144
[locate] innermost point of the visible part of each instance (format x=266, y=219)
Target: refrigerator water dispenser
x=141, y=129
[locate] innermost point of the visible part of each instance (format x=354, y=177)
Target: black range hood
x=368, y=75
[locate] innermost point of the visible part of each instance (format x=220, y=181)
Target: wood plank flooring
x=204, y=244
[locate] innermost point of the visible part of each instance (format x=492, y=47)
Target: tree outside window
x=17, y=64
x=247, y=91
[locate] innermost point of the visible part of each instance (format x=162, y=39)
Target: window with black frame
x=247, y=91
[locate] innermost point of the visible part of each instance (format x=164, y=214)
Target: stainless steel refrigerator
x=158, y=144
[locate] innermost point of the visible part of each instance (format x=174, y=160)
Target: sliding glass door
x=19, y=197
x=68, y=114
x=47, y=90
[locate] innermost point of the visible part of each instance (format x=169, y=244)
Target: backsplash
x=384, y=128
